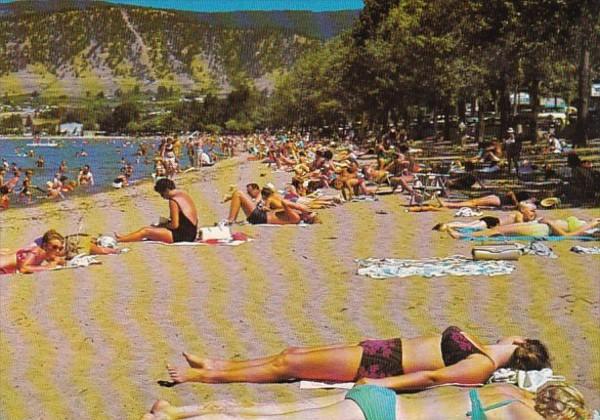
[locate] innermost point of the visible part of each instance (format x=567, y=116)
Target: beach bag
x=496, y=252
x=215, y=233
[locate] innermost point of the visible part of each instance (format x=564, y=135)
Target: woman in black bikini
x=183, y=223
x=400, y=364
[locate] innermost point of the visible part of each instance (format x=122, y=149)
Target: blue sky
x=233, y=5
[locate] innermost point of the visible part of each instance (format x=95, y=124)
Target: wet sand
x=92, y=342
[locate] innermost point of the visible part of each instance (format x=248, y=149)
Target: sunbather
x=510, y=199
x=183, y=222
x=46, y=254
x=399, y=364
x=571, y=226
x=526, y=213
x=501, y=401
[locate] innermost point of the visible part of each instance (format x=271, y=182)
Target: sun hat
x=510, y=130
x=550, y=202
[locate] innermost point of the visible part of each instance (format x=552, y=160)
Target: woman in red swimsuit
x=50, y=250
x=400, y=364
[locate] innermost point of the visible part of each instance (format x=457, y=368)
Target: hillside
x=79, y=48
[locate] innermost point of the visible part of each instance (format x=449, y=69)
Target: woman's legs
x=487, y=201
x=337, y=364
x=206, y=363
x=288, y=216
x=325, y=408
x=239, y=200
x=150, y=233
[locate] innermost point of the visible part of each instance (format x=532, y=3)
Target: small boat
x=46, y=144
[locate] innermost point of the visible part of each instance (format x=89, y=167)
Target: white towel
x=326, y=385
x=467, y=212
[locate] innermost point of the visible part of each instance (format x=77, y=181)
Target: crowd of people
x=323, y=173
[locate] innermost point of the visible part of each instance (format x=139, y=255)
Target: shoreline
x=74, y=200
x=12, y=138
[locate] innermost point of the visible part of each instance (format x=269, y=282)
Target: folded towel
x=467, y=212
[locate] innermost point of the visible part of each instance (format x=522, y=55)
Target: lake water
x=104, y=156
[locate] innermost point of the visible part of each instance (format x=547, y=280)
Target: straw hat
x=550, y=202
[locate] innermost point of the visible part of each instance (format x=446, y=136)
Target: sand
x=91, y=343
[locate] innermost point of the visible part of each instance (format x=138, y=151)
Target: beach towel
x=325, y=385
x=538, y=248
x=529, y=380
x=456, y=265
x=361, y=198
x=595, y=250
x=78, y=261
x=237, y=238
x=467, y=212
x=301, y=224
x=502, y=238
x=350, y=385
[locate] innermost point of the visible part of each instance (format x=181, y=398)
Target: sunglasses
x=57, y=247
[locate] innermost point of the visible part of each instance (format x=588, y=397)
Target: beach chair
x=426, y=186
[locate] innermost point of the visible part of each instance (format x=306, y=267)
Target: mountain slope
x=79, y=48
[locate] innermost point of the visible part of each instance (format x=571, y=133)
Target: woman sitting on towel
x=45, y=254
x=183, y=222
x=400, y=364
x=571, y=226
x=366, y=402
x=526, y=213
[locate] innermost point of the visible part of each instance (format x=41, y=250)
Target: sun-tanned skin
x=421, y=359
x=177, y=200
x=453, y=402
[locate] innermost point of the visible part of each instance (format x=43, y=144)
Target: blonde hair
x=560, y=401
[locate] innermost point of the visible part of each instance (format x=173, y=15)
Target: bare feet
x=197, y=362
x=180, y=375
x=161, y=410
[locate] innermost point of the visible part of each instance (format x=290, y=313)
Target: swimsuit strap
x=478, y=411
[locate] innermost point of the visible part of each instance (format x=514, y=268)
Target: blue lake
x=105, y=158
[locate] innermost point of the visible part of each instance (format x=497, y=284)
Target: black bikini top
x=455, y=346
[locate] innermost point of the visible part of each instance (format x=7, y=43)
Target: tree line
x=406, y=57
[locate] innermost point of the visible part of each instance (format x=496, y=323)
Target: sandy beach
x=92, y=342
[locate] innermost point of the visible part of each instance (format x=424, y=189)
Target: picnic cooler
x=496, y=252
x=214, y=232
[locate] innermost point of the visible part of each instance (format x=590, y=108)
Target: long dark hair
x=531, y=355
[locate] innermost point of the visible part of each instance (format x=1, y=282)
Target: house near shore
x=71, y=129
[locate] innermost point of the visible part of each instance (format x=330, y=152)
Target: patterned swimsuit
x=383, y=358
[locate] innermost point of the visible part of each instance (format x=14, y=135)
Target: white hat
x=510, y=130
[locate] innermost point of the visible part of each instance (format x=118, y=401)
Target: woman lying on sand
x=183, y=223
x=400, y=364
x=526, y=212
x=46, y=254
x=366, y=402
x=571, y=226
